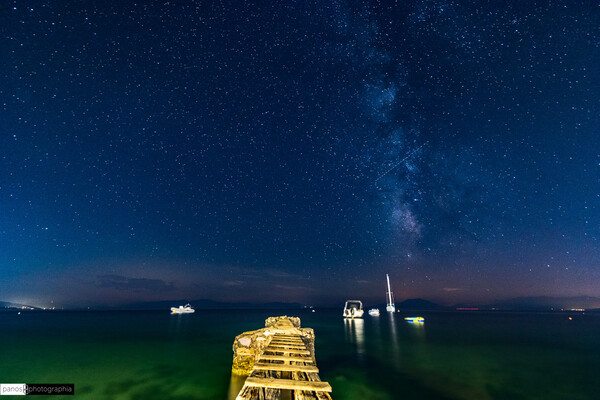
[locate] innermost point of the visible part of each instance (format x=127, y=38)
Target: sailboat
x=391, y=307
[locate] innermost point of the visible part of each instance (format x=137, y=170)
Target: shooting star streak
x=393, y=167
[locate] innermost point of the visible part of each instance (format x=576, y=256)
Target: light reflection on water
x=452, y=356
x=355, y=333
x=235, y=385
x=393, y=337
x=459, y=356
x=418, y=328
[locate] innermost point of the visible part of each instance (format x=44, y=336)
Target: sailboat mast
x=389, y=291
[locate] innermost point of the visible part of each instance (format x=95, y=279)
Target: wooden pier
x=282, y=361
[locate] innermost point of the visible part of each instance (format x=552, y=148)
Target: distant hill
x=198, y=304
x=539, y=303
x=547, y=303
x=419, y=304
x=6, y=305
x=532, y=303
x=205, y=304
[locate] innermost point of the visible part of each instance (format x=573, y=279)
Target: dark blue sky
x=298, y=151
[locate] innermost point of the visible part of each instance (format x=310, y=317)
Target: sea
x=470, y=355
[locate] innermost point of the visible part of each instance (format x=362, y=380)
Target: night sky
x=298, y=151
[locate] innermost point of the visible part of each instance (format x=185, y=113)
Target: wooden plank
x=284, y=350
x=248, y=393
x=288, y=346
x=287, y=341
x=290, y=342
x=286, y=367
x=273, y=383
x=273, y=347
x=272, y=357
x=273, y=343
x=289, y=351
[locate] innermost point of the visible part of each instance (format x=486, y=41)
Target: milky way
x=298, y=152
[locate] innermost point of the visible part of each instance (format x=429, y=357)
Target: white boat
x=374, y=312
x=415, y=320
x=187, y=309
x=391, y=307
x=353, y=309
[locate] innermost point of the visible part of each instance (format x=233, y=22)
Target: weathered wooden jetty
x=279, y=361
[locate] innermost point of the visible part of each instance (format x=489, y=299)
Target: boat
x=374, y=312
x=415, y=320
x=187, y=309
x=391, y=307
x=353, y=309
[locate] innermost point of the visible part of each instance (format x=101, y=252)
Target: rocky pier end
x=248, y=346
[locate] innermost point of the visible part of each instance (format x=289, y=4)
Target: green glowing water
x=155, y=355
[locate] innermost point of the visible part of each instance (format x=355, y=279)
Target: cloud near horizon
x=121, y=282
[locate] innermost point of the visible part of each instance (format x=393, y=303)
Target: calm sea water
x=154, y=355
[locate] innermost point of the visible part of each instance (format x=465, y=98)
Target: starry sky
x=298, y=150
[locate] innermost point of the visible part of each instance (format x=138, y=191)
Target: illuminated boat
x=353, y=309
x=415, y=320
x=374, y=312
x=187, y=309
